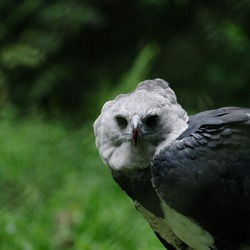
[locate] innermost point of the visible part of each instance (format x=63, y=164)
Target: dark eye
x=121, y=122
x=151, y=121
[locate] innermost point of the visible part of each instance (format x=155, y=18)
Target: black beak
x=136, y=129
x=135, y=134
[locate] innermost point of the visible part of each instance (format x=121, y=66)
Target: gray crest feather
x=157, y=85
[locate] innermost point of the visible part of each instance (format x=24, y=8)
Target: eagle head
x=131, y=127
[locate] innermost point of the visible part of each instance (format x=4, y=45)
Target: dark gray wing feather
x=205, y=173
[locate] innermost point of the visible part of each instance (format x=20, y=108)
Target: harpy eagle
x=189, y=176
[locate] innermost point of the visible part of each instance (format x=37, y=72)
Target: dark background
x=56, y=56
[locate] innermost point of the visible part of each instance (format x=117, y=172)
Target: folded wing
x=205, y=174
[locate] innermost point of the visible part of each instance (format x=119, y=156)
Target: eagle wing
x=205, y=174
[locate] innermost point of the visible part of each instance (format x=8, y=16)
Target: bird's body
x=188, y=176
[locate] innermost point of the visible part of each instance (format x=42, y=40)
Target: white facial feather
x=113, y=128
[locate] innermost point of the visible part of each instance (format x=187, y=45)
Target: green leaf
x=22, y=55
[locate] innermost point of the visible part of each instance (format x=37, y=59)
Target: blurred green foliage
x=57, y=56
x=59, y=62
x=56, y=193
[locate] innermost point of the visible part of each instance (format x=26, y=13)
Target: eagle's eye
x=151, y=121
x=121, y=122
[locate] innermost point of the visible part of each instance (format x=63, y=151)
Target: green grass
x=57, y=194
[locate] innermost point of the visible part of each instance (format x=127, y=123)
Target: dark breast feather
x=138, y=187
x=205, y=174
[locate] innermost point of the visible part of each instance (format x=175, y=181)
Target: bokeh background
x=60, y=61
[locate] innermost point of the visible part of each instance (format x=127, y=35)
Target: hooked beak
x=136, y=129
x=135, y=133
